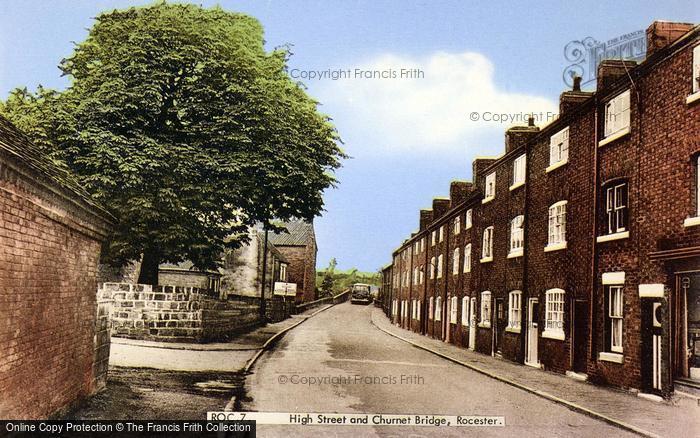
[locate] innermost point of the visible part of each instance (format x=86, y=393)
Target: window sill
x=691, y=222
x=555, y=247
x=693, y=98
x=486, y=260
x=488, y=199
x=559, y=336
x=513, y=329
x=515, y=254
x=611, y=357
x=484, y=325
x=516, y=185
x=556, y=165
x=614, y=236
x=615, y=136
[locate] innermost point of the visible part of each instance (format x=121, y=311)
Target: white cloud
x=432, y=112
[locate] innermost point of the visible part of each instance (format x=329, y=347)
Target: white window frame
x=422, y=244
x=439, y=266
x=616, y=208
x=421, y=274
x=415, y=275
x=418, y=311
x=554, y=314
x=458, y=225
x=694, y=221
x=283, y=272
x=695, y=77
x=519, y=171
x=413, y=309
x=556, y=226
x=433, y=238
x=455, y=261
x=485, y=309
x=617, y=116
x=616, y=297
x=431, y=308
x=517, y=236
x=558, y=149
x=465, y=311
x=468, y=258
x=514, y=311
x=432, y=268
x=454, y=309
x=487, y=245
x=468, y=219
x=442, y=233
x=489, y=187
x=438, y=308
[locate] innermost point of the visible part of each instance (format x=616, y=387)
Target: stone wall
x=176, y=314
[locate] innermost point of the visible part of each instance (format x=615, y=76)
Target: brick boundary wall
x=175, y=313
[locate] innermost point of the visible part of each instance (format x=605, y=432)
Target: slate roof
x=300, y=233
x=17, y=147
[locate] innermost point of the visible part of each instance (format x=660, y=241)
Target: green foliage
x=341, y=280
x=186, y=129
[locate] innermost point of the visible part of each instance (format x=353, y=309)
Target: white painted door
x=472, y=323
x=532, y=332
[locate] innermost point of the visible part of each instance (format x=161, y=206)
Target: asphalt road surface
x=338, y=362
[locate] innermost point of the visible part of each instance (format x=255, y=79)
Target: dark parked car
x=360, y=293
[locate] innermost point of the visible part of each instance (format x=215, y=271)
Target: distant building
x=298, y=246
x=243, y=267
x=54, y=338
x=185, y=274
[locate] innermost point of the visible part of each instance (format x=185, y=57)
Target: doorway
x=472, y=323
x=500, y=325
x=688, y=365
x=580, y=336
x=533, y=317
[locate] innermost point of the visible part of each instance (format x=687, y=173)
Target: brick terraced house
x=578, y=249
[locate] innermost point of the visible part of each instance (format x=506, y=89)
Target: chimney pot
x=577, y=83
x=531, y=121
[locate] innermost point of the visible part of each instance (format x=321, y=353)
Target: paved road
x=341, y=343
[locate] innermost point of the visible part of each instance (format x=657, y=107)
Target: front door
x=533, y=316
x=472, y=323
x=500, y=324
x=580, y=335
x=690, y=284
x=446, y=320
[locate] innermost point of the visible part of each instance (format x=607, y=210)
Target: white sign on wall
x=287, y=289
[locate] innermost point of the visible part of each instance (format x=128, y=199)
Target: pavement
x=340, y=362
x=220, y=356
x=677, y=417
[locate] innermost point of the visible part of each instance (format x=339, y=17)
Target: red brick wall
x=48, y=267
x=568, y=269
x=656, y=161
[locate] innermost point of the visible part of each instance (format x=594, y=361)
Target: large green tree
x=186, y=128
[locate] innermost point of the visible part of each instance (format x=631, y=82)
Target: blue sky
x=408, y=137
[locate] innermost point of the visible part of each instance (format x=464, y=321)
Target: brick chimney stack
x=575, y=96
x=609, y=70
x=440, y=207
x=517, y=136
x=426, y=217
x=662, y=33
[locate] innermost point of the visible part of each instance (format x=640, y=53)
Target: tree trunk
x=149, y=268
